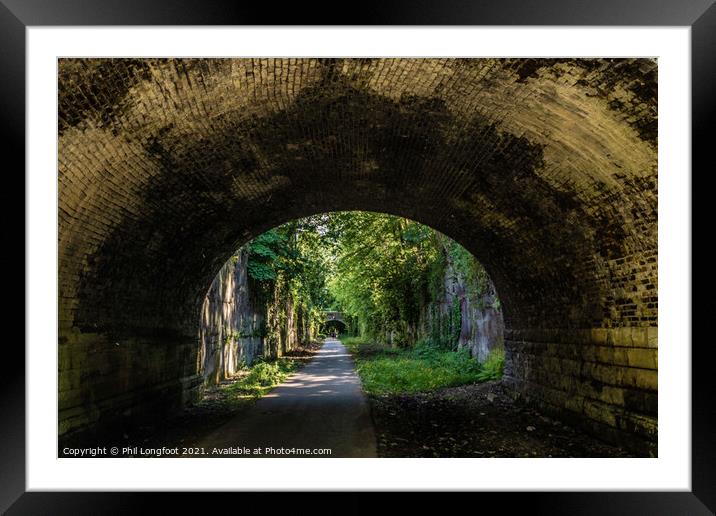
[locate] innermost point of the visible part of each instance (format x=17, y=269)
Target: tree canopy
x=378, y=270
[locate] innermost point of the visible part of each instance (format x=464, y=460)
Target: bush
x=427, y=349
x=461, y=362
x=262, y=376
x=494, y=365
x=353, y=342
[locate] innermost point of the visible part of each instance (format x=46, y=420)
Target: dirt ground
x=479, y=420
x=475, y=421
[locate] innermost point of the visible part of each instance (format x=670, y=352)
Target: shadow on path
x=322, y=406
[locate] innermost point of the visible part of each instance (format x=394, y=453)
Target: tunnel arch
x=544, y=169
x=337, y=324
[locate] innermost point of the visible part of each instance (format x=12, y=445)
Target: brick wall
x=114, y=385
x=604, y=379
x=545, y=169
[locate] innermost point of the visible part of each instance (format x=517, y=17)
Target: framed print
x=427, y=247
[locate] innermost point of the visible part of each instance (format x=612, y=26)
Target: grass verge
x=385, y=370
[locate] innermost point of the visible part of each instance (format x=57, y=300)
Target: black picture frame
x=17, y=15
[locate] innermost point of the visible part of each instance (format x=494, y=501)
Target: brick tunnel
x=544, y=169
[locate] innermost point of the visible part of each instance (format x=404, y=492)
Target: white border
x=670, y=471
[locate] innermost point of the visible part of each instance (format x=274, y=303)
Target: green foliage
x=426, y=367
x=265, y=252
x=465, y=263
x=265, y=374
x=380, y=278
x=445, y=328
x=494, y=365
x=262, y=376
x=379, y=270
x=436, y=275
x=353, y=343
x=289, y=265
x=456, y=320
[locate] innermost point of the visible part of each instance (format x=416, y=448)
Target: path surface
x=320, y=406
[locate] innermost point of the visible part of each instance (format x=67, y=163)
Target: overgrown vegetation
x=425, y=367
x=382, y=265
x=261, y=377
x=387, y=276
x=388, y=271
x=288, y=268
x=380, y=271
x=494, y=365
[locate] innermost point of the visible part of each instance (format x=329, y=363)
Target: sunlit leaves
x=381, y=266
x=379, y=270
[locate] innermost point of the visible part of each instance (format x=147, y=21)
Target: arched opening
x=334, y=327
x=352, y=274
x=423, y=316
x=545, y=169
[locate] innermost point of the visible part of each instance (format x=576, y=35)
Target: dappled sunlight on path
x=320, y=406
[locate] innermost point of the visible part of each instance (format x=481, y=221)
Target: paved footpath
x=320, y=406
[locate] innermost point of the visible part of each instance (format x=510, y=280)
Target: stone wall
x=466, y=312
x=237, y=327
x=232, y=325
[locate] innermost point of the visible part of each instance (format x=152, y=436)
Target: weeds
x=493, y=366
x=425, y=367
x=262, y=376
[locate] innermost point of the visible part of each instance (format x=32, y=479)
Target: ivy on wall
x=384, y=273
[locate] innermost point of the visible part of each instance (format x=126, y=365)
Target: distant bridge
x=334, y=316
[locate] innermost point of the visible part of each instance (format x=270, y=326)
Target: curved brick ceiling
x=545, y=169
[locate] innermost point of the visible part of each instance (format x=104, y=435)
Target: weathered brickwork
x=605, y=378
x=114, y=384
x=546, y=169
